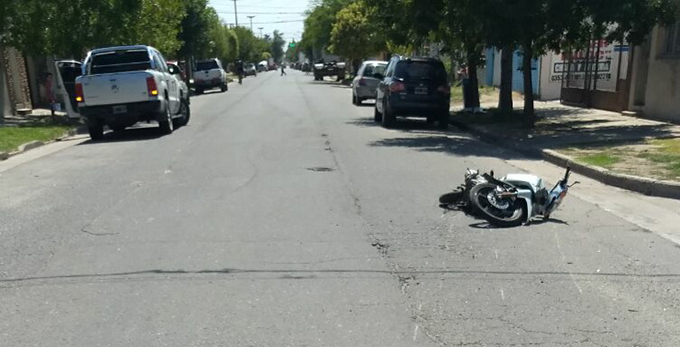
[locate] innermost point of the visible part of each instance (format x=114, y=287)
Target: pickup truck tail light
x=445, y=89
x=397, y=87
x=151, y=86
x=80, y=97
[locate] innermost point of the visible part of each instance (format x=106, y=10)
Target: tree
x=69, y=27
x=355, y=34
x=277, y=44
x=195, y=31
x=250, y=46
x=319, y=24
x=158, y=25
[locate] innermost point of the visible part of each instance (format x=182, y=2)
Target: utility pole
x=251, y=22
x=261, y=36
x=235, y=14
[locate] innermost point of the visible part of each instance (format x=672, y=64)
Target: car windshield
x=419, y=70
x=206, y=65
x=120, y=61
x=373, y=69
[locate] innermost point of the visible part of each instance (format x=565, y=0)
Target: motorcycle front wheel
x=504, y=213
x=452, y=198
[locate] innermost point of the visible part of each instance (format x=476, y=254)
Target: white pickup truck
x=210, y=74
x=121, y=86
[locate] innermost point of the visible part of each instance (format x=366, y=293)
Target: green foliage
x=355, y=34
x=276, y=46
x=197, y=27
x=223, y=43
x=158, y=25
x=250, y=46
x=69, y=27
x=319, y=24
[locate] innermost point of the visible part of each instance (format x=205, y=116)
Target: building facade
x=655, y=77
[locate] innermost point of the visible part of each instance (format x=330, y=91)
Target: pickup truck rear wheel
x=166, y=125
x=224, y=88
x=96, y=130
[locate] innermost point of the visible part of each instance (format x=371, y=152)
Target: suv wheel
x=224, y=88
x=96, y=130
x=388, y=118
x=443, y=121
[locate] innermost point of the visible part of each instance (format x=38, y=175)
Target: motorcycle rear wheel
x=513, y=216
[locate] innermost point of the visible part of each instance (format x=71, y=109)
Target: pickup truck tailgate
x=207, y=75
x=115, y=88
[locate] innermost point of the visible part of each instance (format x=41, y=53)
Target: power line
x=280, y=22
x=246, y=12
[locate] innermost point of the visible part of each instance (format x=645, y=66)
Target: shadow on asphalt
x=140, y=133
x=428, y=138
x=208, y=92
x=366, y=104
x=486, y=225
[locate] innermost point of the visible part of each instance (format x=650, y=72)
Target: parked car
x=306, y=67
x=184, y=94
x=413, y=87
x=121, y=86
x=210, y=74
x=250, y=70
x=365, y=84
x=262, y=66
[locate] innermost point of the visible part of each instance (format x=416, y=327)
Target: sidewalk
x=619, y=150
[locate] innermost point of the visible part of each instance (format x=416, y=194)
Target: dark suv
x=413, y=87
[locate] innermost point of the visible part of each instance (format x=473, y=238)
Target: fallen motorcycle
x=510, y=201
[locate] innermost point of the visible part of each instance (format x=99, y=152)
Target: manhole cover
x=320, y=169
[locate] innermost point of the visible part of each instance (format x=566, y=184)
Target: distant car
x=365, y=84
x=250, y=70
x=332, y=68
x=413, y=87
x=209, y=74
x=262, y=66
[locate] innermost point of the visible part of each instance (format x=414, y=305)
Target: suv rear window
x=420, y=70
x=373, y=69
x=120, y=61
x=206, y=65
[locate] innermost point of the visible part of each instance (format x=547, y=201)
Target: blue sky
x=284, y=16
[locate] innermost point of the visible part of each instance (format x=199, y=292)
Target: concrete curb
x=643, y=185
x=30, y=145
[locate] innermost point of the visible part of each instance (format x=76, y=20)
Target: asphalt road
x=283, y=216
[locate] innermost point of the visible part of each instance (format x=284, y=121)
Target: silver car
x=366, y=82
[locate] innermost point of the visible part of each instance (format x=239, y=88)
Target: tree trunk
x=529, y=114
x=474, y=81
x=505, y=104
